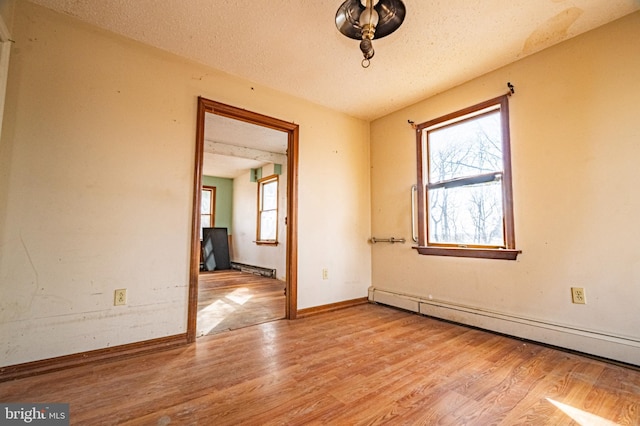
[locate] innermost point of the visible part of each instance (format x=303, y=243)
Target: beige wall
x=89, y=117
x=245, y=219
x=6, y=12
x=575, y=150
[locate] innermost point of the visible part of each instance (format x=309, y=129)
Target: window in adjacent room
x=208, y=207
x=464, y=183
x=268, y=210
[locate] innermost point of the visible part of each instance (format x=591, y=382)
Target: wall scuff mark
x=35, y=271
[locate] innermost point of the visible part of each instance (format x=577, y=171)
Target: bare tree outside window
x=462, y=211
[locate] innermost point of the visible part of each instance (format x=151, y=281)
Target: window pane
x=268, y=225
x=467, y=148
x=270, y=196
x=205, y=204
x=467, y=215
x=205, y=221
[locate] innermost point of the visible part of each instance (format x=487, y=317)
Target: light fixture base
x=391, y=14
x=381, y=18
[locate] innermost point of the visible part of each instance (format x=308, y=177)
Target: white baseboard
x=599, y=344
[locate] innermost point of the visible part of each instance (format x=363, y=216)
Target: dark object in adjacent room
x=215, y=249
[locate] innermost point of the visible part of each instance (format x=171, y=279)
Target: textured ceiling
x=293, y=45
x=227, y=131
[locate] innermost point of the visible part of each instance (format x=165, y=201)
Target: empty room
x=328, y=212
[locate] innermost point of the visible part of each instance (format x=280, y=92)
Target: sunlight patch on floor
x=212, y=315
x=230, y=305
x=240, y=295
x=582, y=417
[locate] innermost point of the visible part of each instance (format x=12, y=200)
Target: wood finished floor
x=366, y=364
x=231, y=299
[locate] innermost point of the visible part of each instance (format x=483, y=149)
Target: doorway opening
x=255, y=150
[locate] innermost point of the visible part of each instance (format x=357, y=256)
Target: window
x=464, y=183
x=208, y=207
x=267, y=210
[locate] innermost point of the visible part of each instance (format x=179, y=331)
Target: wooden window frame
x=509, y=251
x=261, y=183
x=212, y=215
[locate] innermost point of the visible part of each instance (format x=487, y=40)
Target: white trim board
x=616, y=348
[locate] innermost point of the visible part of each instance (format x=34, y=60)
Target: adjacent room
x=242, y=269
x=328, y=212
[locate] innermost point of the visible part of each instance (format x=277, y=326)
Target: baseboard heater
x=618, y=348
x=257, y=270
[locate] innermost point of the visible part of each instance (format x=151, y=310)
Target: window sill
x=266, y=243
x=503, y=254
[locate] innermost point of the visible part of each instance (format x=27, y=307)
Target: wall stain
x=553, y=31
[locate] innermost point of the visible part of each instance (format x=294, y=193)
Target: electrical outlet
x=578, y=296
x=120, y=297
x=325, y=274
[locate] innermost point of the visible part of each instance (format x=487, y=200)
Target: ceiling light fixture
x=365, y=20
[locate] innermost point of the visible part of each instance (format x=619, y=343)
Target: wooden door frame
x=209, y=106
